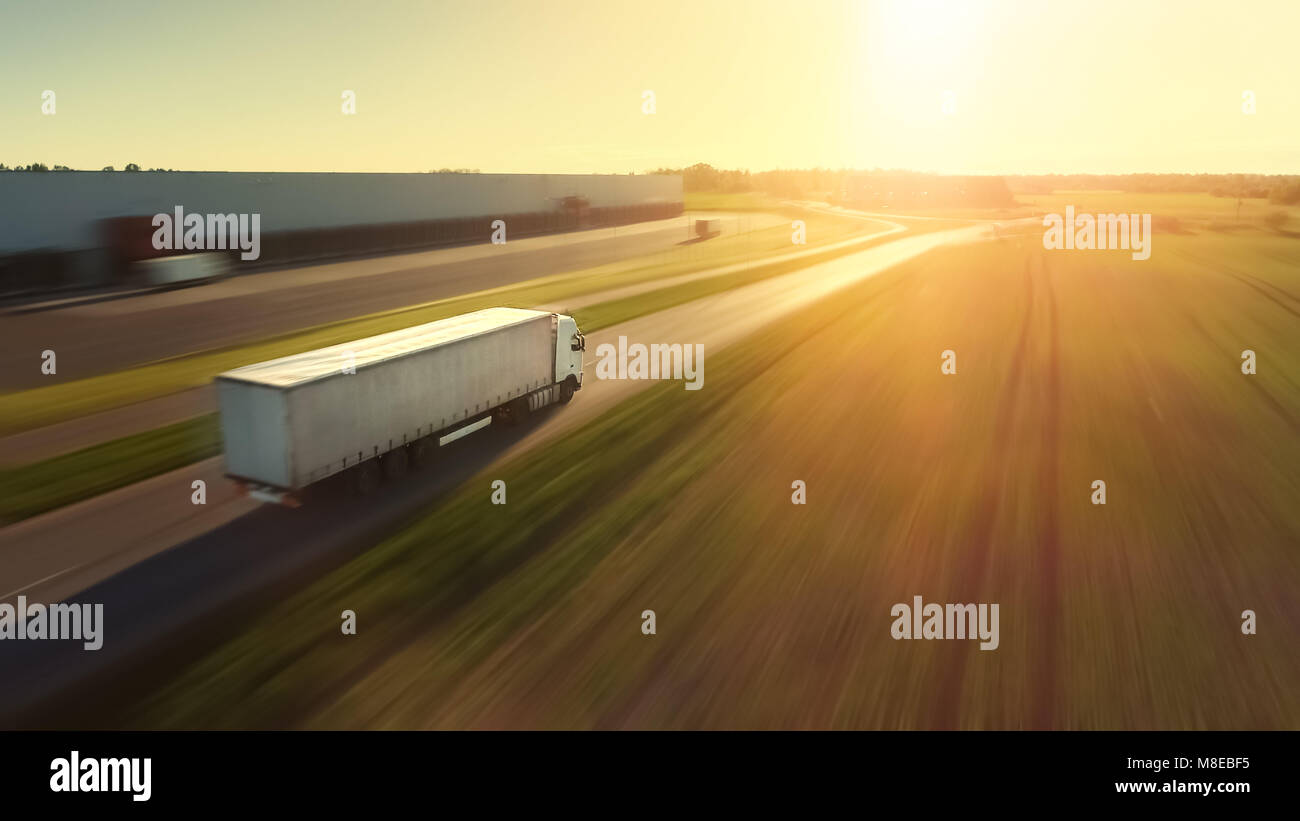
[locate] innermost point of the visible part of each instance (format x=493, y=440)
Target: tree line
x=828, y=183
x=40, y=166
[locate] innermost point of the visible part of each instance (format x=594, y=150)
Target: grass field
x=28, y=409
x=974, y=487
x=1197, y=212
x=1191, y=212
x=746, y=201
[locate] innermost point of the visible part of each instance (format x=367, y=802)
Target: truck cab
x=569, y=346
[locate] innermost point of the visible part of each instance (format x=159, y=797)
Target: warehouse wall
x=61, y=210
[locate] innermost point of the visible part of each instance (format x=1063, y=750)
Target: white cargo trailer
x=375, y=404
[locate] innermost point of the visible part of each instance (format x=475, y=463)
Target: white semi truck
x=375, y=405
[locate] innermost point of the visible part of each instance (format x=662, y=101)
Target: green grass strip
x=35, y=488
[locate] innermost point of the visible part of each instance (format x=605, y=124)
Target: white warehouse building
x=62, y=209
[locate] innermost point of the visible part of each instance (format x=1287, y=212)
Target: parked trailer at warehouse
x=374, y=405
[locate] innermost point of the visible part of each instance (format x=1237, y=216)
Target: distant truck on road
x=374, y=406
x=705, y=228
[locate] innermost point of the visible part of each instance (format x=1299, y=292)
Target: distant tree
x=3, y=167
x=1276, y=219
x=704, y=177
x=131, y=167
x=1286, y=193
x=107, y=168
x=61, y=168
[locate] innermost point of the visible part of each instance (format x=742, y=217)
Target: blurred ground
x=176, y=562
x=974, y=487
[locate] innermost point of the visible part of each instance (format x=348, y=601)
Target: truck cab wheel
x=566, y=390
x=394, y=464
x=366, y=478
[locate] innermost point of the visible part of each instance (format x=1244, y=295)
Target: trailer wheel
x=394, y=464
x=366, y=478
x=422, y=451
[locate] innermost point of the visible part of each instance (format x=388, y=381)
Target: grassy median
x=33, y=489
